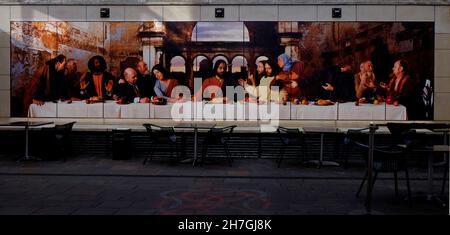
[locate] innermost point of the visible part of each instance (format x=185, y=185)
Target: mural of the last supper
x=358, y=64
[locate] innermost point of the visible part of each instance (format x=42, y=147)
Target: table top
x=195, y=125
x=444, y=130
x=320, y=129
x=25, y=123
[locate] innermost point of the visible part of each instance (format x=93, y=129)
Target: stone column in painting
x=152, y=36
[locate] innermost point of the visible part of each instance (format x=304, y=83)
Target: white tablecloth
x=47, y=110
x=314, y=112
x=79, y=109
x=209, y=111
x=396, y=112
x=350, y=111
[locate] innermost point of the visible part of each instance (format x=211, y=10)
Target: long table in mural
x=213, y=111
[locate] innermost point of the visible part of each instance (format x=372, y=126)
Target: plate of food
x=158, y=101
x=94, y=99
x=322, y=102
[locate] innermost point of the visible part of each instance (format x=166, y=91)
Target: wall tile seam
x=223, y=4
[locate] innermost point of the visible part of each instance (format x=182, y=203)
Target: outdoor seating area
x=169, y=147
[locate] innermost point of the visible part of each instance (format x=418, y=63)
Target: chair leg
x=227, y=152
x=362, y=184
x=204, y=152
x=344, y=155
x=396, y=184
x=374, y=179
x=150, y=155
x=305, y=149
x=177, y=152
x=281, y=156
x=408, y=188
x=444, y=180
x=171, y=153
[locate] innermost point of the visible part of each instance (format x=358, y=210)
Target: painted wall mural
x=320, y=56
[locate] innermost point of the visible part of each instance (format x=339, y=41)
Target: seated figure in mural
x=366, y=86
x=47, y=84
x=214, y=88
x=404, y=89
x=263, y=90
x=72, y=79
x=145, y=81
x=259, y=73
x=130, y=91
x=291, y=74
x=164, y=84
x=97, y=83
x=338, y=84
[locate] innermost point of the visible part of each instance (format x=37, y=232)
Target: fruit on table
x=396, y=103
x=389, y=100
x=305, y=102
x=376, y=102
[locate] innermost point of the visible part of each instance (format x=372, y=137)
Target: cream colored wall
x=439, y=14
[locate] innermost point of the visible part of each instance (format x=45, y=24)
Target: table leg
x=368, y=203
x=26, y=142
x=195, y=145
x=321, y=161
x=27, y=157
x=321, y=151
x=431, y=197
x=430, y=177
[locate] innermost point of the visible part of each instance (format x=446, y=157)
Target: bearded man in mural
x=214, y=88
x=145, y=81
x=404, y=89
x=97, y=84
x=47, y=84
x=72, y=76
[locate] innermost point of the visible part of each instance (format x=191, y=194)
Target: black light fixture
x=336, y=12
x=104, y=12
x=220, y=12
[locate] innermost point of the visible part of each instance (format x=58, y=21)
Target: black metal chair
x=350, y=137
x=390, y=159
x=159, y=135
x=290, y=137
x=57, y=140
x=220, y=137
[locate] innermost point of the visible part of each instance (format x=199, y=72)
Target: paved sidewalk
x=95, y=185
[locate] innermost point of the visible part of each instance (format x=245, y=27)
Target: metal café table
x=195, y=127
x=445, y=148
x=27, y=125
x=322, y=131
x=430, y=195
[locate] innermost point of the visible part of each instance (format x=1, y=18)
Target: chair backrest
x=64, y=130
x=67, y=127
x=157, y=133
x=387, y=157
x=352, y=135
x=289, y=135
x=222, y=134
